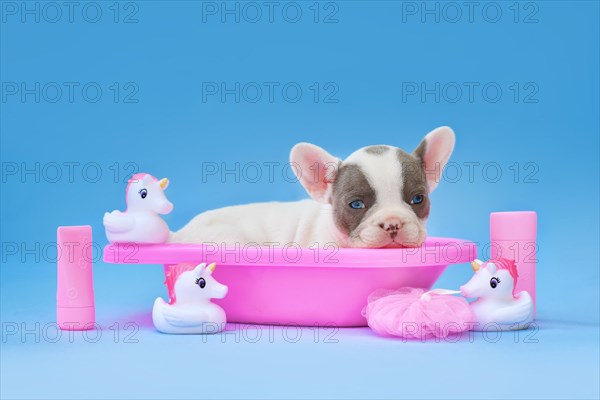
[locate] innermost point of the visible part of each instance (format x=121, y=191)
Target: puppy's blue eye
x=417, y=199
x=357, y=204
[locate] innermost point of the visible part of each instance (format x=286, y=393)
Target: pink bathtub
x=294, y=286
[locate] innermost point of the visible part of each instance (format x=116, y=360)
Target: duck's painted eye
x=143, y=193
x=417, y=199
x=494, y=282
x=357, y=204
x=201, y=282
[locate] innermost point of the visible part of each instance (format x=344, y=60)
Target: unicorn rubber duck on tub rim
x=140, y=222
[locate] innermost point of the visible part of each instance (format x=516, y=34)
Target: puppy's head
x=379, y=194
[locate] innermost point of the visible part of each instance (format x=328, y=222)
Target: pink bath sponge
x=407, y=313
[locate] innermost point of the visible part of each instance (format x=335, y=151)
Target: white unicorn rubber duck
x=189, y=309
x=140, y=223
x=497, y=304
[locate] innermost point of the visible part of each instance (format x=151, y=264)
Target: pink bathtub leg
x=514, y=235
x=75, y=308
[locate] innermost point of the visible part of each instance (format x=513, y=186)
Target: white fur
x=304, y=222
x=310, y=222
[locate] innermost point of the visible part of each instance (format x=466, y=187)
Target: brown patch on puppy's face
x=414, y=183
x=350, y=185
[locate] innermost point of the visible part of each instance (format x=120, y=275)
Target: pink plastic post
x=75, y=286
x=513, y=235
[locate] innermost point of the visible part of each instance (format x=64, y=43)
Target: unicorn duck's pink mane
x=172, y=273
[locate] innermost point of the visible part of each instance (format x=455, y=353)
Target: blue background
x=167, y=51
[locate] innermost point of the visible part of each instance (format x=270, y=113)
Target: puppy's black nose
x=392, y=229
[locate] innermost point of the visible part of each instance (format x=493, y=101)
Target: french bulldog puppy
x=377, y=197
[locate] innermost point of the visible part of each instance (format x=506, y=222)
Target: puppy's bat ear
x=435, y=150
x=316, y=169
